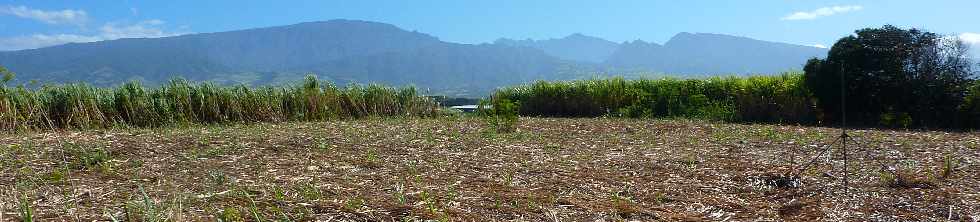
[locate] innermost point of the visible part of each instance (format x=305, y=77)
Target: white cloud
x=819, y=46
x=153, y=22
x=145, y=29
x=971, y=38
x=109, y=31
x=42, y=40
x=821, y=12
x=67, y=16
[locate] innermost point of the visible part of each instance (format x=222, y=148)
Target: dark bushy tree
x=970, y=110
x=894, y=77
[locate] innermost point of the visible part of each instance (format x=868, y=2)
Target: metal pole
x=843, y=125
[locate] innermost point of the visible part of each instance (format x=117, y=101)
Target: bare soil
x=452, y=169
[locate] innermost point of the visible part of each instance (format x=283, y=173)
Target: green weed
x=26, y=211
x=85, y=157
x=500, y=114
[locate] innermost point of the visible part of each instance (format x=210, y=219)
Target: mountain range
x=352, y=51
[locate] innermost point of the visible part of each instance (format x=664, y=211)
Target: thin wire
x=813, y=159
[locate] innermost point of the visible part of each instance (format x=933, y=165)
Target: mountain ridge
x=356, y=51
x=585, y=49
x=707, y=53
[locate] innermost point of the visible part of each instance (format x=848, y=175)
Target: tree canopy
x=892, y=76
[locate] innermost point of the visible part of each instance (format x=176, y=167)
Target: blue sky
x=38, y=23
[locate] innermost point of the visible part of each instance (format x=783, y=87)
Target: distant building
x=466, y=108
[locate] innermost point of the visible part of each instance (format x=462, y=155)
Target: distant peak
x=702, y=35
x=345, y=22
x=509, y=41
x=694, y=38
x=579, y=37
x=582, y=36
x=688, y=36
x=636, y=42
x=574, y=37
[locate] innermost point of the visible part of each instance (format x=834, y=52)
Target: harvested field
x=452, y=169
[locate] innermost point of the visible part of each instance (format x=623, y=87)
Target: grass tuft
x=26, y=211
x=83, y=157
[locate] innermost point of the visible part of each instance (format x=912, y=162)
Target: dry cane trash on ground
x=452, y=169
